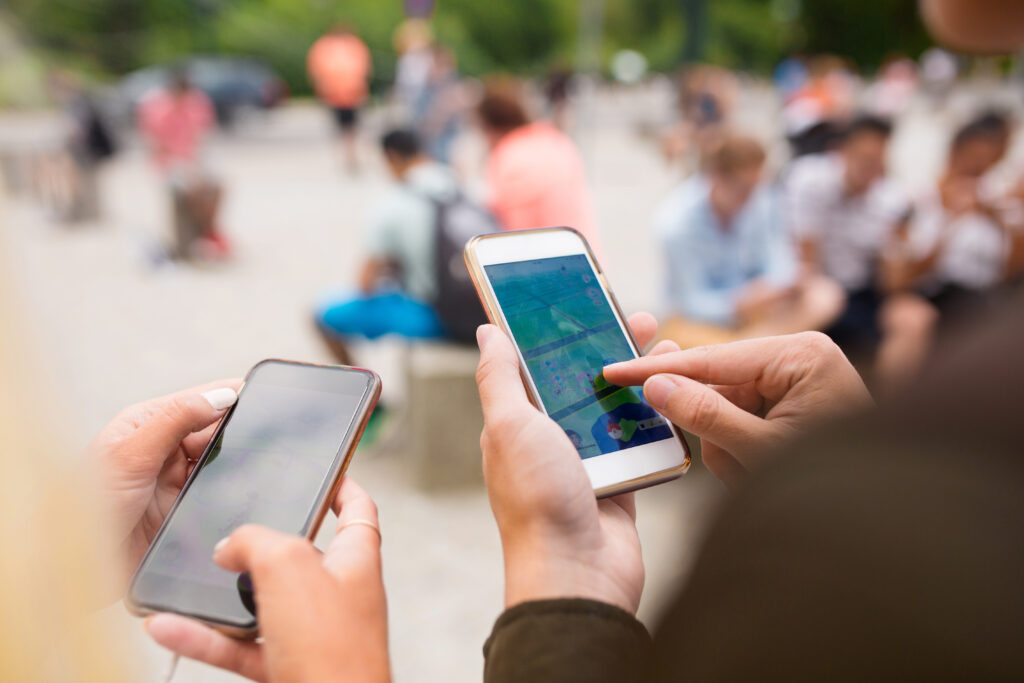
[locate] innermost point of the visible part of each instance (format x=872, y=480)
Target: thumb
x=498, y=376
x=171, y=418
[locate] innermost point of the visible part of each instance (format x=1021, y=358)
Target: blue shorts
x=376, y=315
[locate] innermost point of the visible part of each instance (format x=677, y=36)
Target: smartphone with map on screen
x=546, y=290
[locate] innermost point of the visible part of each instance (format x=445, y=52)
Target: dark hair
x=867, y=123
x=501, y=106
x=401, y=142
x=989, y=125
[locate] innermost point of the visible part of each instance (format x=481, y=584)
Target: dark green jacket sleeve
x=550, y=641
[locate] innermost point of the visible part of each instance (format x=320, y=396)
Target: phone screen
x=269, y=464
x=567, y=332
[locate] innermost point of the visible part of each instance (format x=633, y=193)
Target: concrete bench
x=444, y=416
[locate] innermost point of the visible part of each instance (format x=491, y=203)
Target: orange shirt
x=536, y=179
x=340, y=67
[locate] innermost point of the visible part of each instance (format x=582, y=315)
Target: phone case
x=491, y=308
x=313, y=523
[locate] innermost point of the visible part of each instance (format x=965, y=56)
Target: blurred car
x=231, y=83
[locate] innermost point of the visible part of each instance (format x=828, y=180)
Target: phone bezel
x=321, y=504
x=610, y=473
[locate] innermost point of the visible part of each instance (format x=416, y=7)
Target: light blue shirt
x=708, y=265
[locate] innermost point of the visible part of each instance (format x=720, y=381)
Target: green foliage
x=865, y=31
x=747, y=35
x=653, y=27
x=519, y=36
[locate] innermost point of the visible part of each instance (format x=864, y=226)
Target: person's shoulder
x=539, y=139
x=888, y=194
x=431, y=178
x=813, y=172
x=154, y=97
x=673, y=215
x=198, y=98
x=764, y=202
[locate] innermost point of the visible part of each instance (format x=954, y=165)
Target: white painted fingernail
x=222, y=398
x=220, y=545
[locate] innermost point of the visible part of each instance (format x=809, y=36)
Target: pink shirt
x=174, y=124
x=536, y=180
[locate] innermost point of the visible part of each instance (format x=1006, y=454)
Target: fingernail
x=222, y=398
x=657, y=389
x=220, y=545
x=483, y=333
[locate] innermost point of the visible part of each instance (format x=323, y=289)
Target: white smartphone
x=546, y=290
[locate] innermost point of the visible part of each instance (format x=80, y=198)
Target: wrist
x=533, y=572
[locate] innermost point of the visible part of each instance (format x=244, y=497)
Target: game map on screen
x=567, y=332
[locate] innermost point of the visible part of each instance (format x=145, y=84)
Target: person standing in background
x=175, y=122
x=439, y=105
x=534, y=172
x=339, y=66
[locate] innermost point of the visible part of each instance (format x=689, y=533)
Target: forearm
x=549, y=641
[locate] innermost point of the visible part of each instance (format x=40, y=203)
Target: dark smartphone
x=276, y=459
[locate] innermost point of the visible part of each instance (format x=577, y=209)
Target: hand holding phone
x=276, y=459
x=142, y=458
x=545, y=289
x=557, y=539
x=322, y=617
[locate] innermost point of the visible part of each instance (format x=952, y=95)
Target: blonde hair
x=51, y=569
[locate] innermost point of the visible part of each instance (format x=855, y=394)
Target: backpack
x=457, y=304
x=99, y=140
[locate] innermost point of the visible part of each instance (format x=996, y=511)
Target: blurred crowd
x=827, y=240
x=822, y=236
x=832, y=241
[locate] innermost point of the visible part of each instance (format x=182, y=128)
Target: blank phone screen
x=269, y=464
x=567, y=332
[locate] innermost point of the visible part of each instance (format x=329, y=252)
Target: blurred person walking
x=535, y=175
x=413, y=42
x=730, y=264
x=844, y=213
x=814, y=113
x=175, y=122
x=558, y=89
x=72, y=176
x=439, y=105
x=339, y=66
x=706, y=95
x=403, y=285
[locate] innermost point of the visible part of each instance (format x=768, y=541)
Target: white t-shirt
x=851, y=230
x=975, y=255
